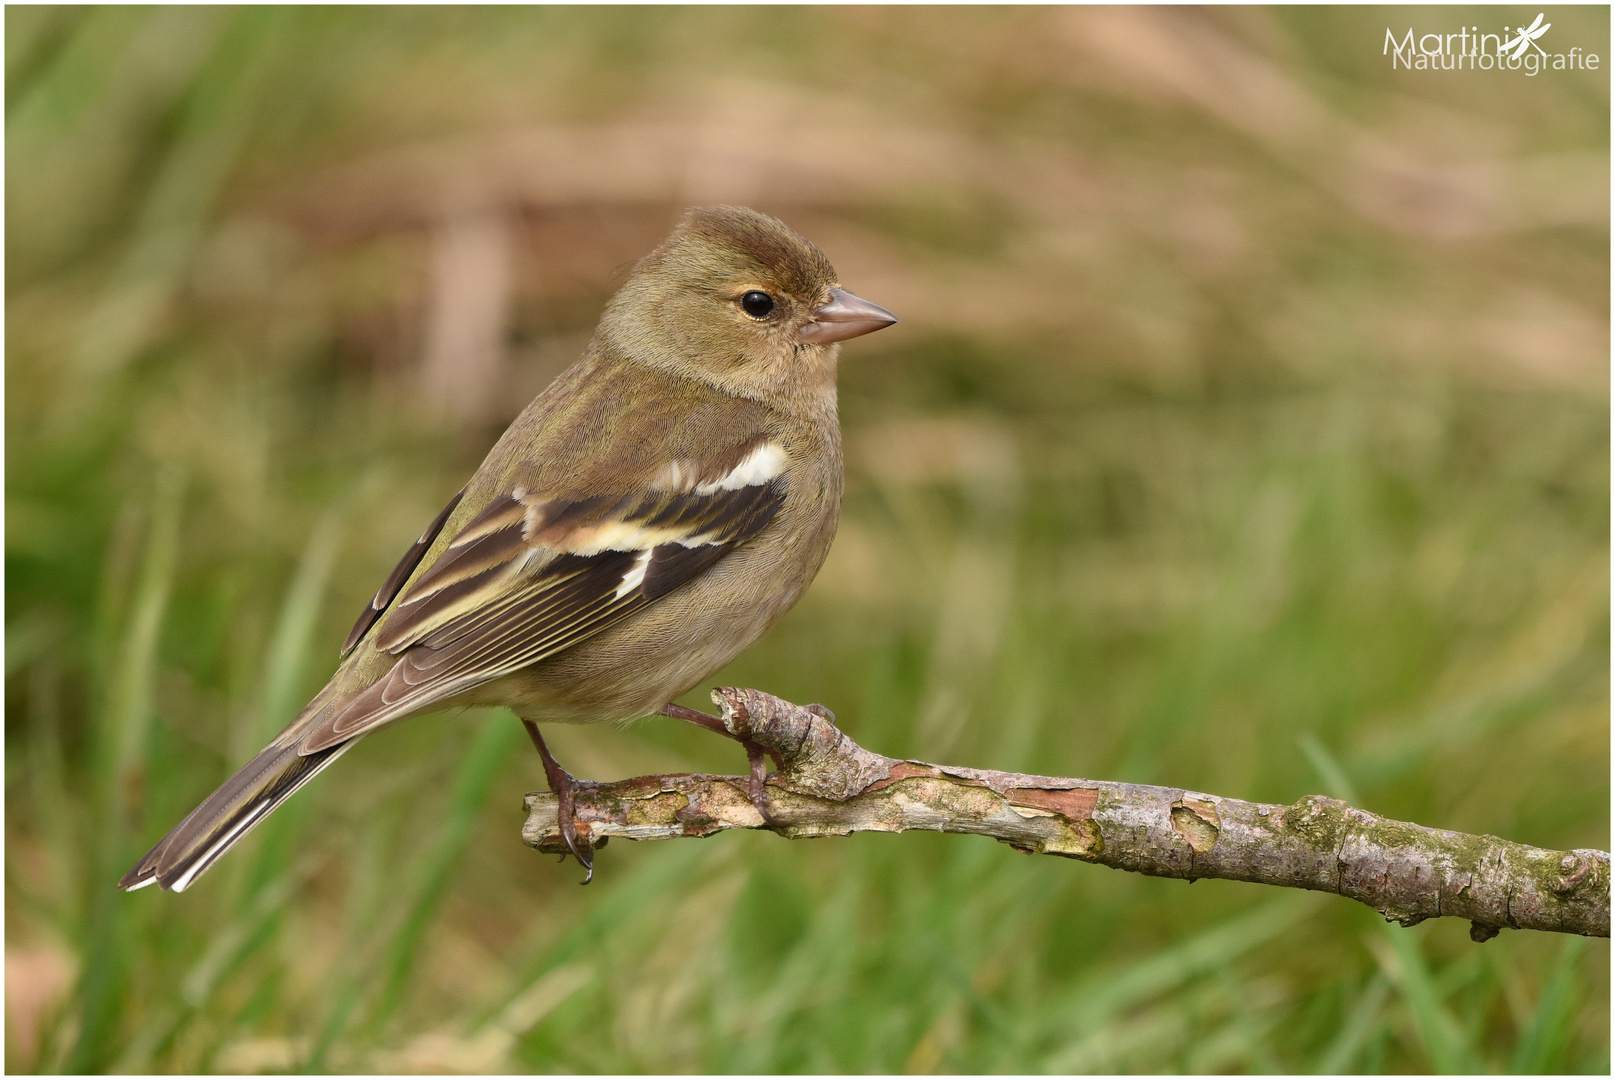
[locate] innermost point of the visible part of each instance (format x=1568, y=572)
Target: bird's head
x=738, y=299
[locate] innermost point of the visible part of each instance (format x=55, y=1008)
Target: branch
x=828, y=785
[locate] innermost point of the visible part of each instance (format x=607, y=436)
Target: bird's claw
x=757, y=783
x=564, y=787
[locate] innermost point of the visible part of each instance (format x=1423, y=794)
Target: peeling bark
x=831, y=786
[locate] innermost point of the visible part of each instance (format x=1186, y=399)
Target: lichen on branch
x=831, y=786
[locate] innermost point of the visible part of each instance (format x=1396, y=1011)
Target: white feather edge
x=758, y=467
x=636, y=573
x=245, y=826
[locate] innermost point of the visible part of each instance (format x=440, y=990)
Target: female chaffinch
x=646, y=518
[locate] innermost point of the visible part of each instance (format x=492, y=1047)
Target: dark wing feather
x=466, y=576
x=671, y=565
x=526, y=579
x=395, y=581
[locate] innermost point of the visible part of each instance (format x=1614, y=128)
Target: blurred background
x=1247, y=430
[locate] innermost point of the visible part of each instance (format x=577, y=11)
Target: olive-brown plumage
x=646, y=518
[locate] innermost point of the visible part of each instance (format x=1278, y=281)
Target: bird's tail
x=227, y=815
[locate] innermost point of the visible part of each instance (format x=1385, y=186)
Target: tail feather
x=227, y=815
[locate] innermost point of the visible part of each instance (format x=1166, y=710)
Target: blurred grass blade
x=126, y=722
x=129, y=705
x=1103, y=995
x=1247, y=1032
x=1542, y=1046
x=100, y=996
x=481, y=764
x=286, y=671
x=1439, y=1034
x=214, y=122
x=822, y=960
x=234, y=944
x=1335, y=780
x=56, y=802
x=1242, y=1042
x=347, y=997
x=658, y=874
x=35, y=37
x=1360, y=1023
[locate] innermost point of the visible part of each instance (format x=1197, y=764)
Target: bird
x=645, y=519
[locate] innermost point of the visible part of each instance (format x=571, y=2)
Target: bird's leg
x=755, y=752
x=563, y=785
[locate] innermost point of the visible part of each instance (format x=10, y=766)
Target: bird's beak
x=845, y=316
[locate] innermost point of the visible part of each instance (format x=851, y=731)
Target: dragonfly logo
x=1471, y=49
x=1526, y=38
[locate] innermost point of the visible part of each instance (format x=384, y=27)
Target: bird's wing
x=532, y=575
x=395, y=581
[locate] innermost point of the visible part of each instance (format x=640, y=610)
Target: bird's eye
x=757, y=304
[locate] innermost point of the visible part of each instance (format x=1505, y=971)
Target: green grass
x=1199, y=458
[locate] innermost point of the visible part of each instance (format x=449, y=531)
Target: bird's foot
x=757, y=783
x=756, y=758
x=564, y=786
